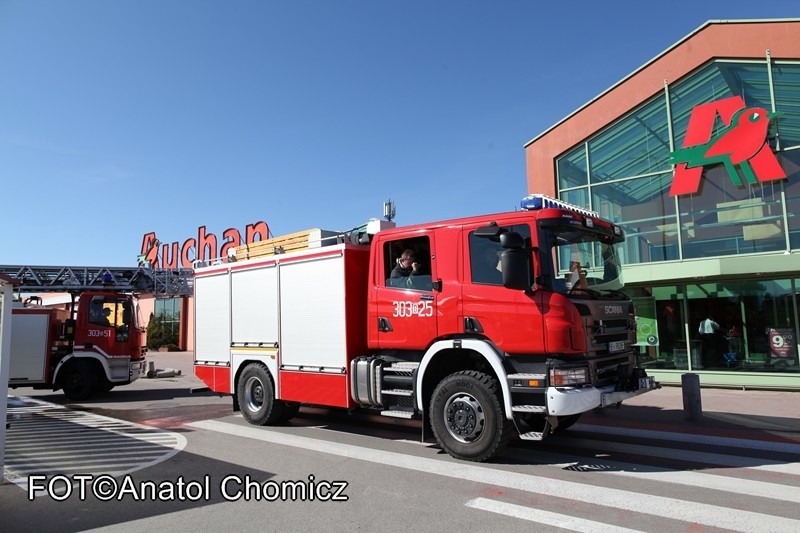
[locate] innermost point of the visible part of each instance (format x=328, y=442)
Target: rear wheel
x=79, y=380
x=257, y=396
x=289, y=410
x=467, y=416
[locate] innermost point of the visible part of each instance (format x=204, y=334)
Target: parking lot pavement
x=86, y=443
x=750, y=414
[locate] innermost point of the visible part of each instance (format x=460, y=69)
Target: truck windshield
x=582, y=263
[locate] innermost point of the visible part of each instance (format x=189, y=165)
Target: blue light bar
x=542, y=201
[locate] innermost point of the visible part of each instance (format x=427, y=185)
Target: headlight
x=569, y=377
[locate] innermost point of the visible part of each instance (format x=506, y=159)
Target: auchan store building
x=697, y=156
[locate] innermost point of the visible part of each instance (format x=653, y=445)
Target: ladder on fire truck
x=160, y=283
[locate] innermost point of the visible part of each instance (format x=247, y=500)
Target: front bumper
x=564, y=401
x=137, y=369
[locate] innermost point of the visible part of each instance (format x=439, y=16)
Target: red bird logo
x=735, y=145
x=742, y=143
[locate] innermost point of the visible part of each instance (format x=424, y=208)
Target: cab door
x=105, y=324
x=406, y=305
x=512, y=319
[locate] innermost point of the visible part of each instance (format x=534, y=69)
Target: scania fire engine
x=94, y=345
x=509, y=323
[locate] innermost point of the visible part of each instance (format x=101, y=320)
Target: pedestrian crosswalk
x=49, y=439
x=603, y=483
x=593, y=478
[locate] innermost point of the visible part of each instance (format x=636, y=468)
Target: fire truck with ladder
x=482, y=327
x=94, y=345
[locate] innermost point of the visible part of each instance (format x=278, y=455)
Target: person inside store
x=708, y=333
x=735, y=334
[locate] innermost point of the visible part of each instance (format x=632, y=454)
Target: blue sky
x=122, y=118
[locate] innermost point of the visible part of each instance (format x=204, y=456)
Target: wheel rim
x=464, y=417
x=76, y=380
x=254, y=394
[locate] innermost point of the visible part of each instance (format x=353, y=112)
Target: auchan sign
x=206, y=247
x=741, y=145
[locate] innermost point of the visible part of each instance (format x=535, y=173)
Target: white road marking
x=669, y=508
x=46, y=438
x=545, y=517
x=762, y=445
x=707, y=480
x=719, y=459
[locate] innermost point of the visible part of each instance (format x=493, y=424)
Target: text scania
x=613, y=310
x=231, y=488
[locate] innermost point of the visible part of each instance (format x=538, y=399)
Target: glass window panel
x=579, y=197
x=786, y=79
x=638, y=144
x=484, y=256
x=706, y=85
x=757, y=331
x=790, y=162
x=723, y=219
x=572, y=168
x=167, y=313
x=647, y=214
x=748, y=80
x=660, y=334
x=769, y=334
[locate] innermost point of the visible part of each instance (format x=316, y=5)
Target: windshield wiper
x=590, y=292
x=616, y=293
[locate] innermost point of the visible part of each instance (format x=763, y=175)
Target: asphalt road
x=326, y=470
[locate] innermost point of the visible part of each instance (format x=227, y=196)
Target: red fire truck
x=485, y=326
x=94, y=345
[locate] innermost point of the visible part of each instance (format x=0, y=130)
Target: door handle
x=384, y=325
x=472, y=325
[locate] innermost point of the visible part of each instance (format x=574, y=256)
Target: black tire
x=103, y=385
x=79, y=380
x=467, y=416
x=288, y=410
x=257, y=396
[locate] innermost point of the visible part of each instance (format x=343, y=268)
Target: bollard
x=167, y=373
x=151, y=369
x=692, y=406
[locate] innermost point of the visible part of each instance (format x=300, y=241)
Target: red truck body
x=97, y=350
x=510, y=322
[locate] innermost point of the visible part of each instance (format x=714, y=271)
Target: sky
x=127, y=117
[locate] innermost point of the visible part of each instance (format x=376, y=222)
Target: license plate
x=616, y=346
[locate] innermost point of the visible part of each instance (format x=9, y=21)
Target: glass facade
x=756, y=326
x=164, y=326
x=624, y=173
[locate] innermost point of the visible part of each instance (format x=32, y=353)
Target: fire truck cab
x=94, y=351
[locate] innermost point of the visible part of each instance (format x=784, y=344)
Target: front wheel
x=79, y=380
x=467, y=416
x=566, y=422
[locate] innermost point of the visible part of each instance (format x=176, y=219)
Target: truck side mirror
x=491, y=232
x=69, y=329
x=514, y=264
x=512, y=240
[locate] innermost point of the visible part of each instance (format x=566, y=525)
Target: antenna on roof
x=389, y=211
